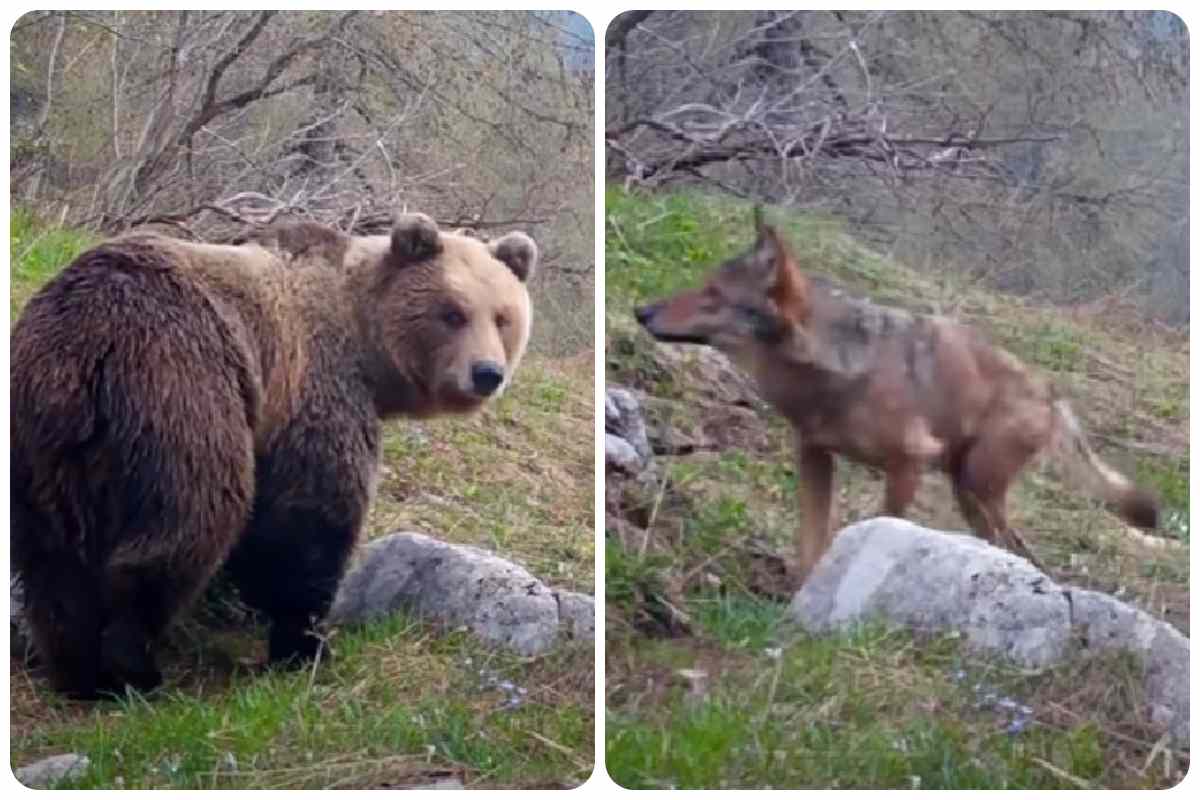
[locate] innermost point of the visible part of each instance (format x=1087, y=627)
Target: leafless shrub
x=207, y=122
x=1042, y=152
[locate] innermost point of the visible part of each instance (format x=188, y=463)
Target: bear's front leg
x=288, y=567
x=312, y=492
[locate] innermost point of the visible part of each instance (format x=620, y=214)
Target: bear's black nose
x=486, y=377
x=646, y=313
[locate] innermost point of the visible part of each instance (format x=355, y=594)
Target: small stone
x=441, y=783
x=49, y=772
x=697, y=680
x=623, y=418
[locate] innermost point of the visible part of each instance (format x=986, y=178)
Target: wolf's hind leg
x=990, y=523
x=981, y=484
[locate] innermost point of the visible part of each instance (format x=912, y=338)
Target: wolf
x=896, y=391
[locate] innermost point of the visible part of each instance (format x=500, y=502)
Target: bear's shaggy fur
x=301, y=244
x=177, y=407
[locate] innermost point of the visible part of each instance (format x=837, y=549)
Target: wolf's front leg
x=813, y=536
x=901, y=487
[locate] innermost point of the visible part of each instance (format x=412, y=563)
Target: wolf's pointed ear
x=518, y=252
x=768, y=250
x=414, y=238
x=784, y=282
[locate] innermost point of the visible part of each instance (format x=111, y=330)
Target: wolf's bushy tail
x=1086, y=470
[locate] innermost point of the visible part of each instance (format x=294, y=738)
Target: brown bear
x=177, y=407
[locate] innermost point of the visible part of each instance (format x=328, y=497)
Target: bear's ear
x=517, y=251
x=414, y=238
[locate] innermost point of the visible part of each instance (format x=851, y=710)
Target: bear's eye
x=502, y=320
x=453, y=317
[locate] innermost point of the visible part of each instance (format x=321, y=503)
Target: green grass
x=1170, y=477
x=1054, y=347
x=873, y=708
x=400, y=703
x=629, y=579
x=36, y=253
x=696, y=557
x=516, y=478
x=736, y=621
x=658, y=245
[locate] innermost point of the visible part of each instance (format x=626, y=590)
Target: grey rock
x=1104, y=623
x=707, y=372
x=49, y=772
x=928, y=580
x=901, y=573
x=20, y=638
x=675, y=427
x=623, y=418
x=452, y=585
x=620, y=455
x=577, y=613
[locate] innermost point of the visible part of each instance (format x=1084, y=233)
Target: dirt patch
x=640, y=680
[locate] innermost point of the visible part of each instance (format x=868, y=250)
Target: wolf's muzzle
x=645, y=314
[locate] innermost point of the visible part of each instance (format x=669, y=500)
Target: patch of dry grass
x=516, y=479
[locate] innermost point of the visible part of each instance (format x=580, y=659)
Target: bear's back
x=152, y=312
x=124, y=318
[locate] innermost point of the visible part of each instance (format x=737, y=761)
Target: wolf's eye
x=502, y=321
x=453, y=317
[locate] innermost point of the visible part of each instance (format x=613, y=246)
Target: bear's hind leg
x=127, y=657
x=141, y=603
x=204, y=493
x=64, y=606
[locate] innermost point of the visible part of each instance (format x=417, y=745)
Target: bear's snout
x=486, y=377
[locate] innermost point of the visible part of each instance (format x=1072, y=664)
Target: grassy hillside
x=401, y=703
x=733, y=696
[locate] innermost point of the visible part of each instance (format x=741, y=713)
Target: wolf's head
x=758, y=298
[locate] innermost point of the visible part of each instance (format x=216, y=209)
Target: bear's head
x=445, y=317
